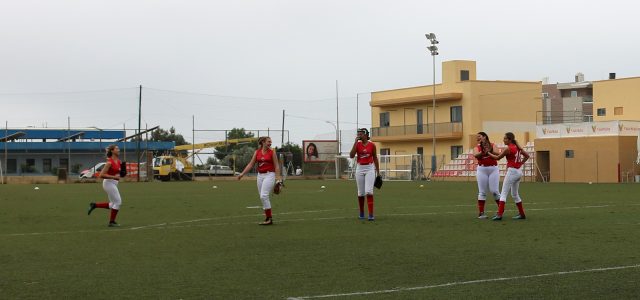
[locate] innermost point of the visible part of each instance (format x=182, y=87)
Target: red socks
x=361, y=204
x=267, y=213
x=500, y=208
x=481, y=206
x=520, y=208
x=114, y=213
x=102, y=205
x=370, y=204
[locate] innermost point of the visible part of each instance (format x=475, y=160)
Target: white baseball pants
x=266, y=181
x=488, y=177
x=511, y=183
x=365, y=176
x=111, y=187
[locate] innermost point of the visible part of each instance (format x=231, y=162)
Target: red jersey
x=365, y=152
x=486, y=160
x=115, y=166
x=265, y=161
x=513, y=158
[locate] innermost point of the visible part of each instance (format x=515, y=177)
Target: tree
x=235, y=133
x=239, y=158
x=162, y=135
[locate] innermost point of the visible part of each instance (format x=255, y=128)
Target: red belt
x=266, y=172
x=486, y=165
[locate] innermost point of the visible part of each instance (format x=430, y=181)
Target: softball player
x=516, y=157
x=365, y=173
x=110, y=175
x=268, y=167
x=487, y=172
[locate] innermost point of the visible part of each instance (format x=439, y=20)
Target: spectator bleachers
x=465, y=164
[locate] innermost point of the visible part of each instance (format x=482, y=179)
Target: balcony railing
x=557, y=117
x=448, y=129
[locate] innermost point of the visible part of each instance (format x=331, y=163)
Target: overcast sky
x=243, y=62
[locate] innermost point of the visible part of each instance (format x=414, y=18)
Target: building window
x=419, y=122
x=545, y=95
x=384, y=119
x=587, y=118
x=574, y=94
x=385, y=151
x=456, y=114
x=12, y=166
x=46, y=165
x=464, y=75
x=64, y=164
x=568, y=153
x=587, y=99
x=617, y=111
x=456, y=151
x=29, y=166
x=602, y=112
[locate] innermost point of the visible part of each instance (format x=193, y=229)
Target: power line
x=65, y=93
x=243, y=97
x=316, y=119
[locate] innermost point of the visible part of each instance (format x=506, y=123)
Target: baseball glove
x=123, y=169
x=277, y=188
x=378, y=182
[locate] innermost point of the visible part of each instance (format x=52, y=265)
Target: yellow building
x=616, y=99
x=403, y=118
x=601, y=151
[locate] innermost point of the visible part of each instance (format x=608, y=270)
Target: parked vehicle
x=167, y=167
x=177, y=165
x=216, y=170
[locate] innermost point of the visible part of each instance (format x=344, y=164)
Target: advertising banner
x=319, y=150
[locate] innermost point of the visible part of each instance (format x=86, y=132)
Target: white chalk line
x=456, y=283
x=190, y=223
x=170, y=224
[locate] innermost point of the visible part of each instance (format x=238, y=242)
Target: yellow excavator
x=178, y=165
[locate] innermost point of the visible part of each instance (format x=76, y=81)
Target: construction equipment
x=177, y=165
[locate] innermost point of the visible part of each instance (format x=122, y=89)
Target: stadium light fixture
x=433, y=49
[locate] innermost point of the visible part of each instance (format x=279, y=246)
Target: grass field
x=190, y=241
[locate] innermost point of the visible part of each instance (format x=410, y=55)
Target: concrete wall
x=623, y=93
x=596, y=159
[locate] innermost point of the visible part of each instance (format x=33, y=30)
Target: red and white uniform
x=511, y=180
x=265, y=161
x=365, y=169
x=487, y=175
x=266, y=175
x=514, y=160
x=110, y=186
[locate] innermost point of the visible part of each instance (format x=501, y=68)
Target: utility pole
x=139, y=131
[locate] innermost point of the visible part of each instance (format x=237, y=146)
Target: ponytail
x=110, y=150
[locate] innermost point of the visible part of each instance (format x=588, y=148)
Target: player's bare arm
x=476, y=153
x=525, y=155
x=501, y=155
x=277, y=166
x=352, y=154
x=104, y=173
x=375, y=160
x=249, y=166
